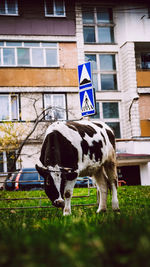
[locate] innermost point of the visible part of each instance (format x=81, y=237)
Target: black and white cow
x=81, y=148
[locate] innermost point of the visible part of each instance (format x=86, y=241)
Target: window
x=145, y=60
x=57, y=105
x=109, y=112
x=98, y=25
x=9, y=107
x=55, y=8
x=30, y=54
x=6, y=160
x=104, y=75
x=9, y=7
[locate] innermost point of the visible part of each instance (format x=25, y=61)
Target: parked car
x=84, y=182
x=25, y=179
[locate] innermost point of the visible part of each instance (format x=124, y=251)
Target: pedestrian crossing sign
x=87, y=102
x=84, y=74
x=86, y=91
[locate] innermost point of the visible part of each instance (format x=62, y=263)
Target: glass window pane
x=30, y=44
x=37, y=57
x=110, y=110
x=4, y=107
x=9, y=56
x=89, y=34
x=95, y=81
x=1, y=162
x=2, y=7
x=49, y=7
x=145, y=58
x=13, y=43
x=11, y=6
x=97, y=115
x=59, y=7
x=10, y=160
x=115, y=126
x=105, y=35
x=88, y=17
x=104, y=15
x=23, y=56
x=51, y=57
x=107, y=62
x=108, y=82
x=92, y=59
x=14, y=107
x=59, y=110
x=48, y=104
x=1, y=43
x=47, y=44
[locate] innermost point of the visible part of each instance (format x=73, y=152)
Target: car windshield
x=30, y=175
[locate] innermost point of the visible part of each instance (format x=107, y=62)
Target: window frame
x=100, y=114
x=52, y=95
x=5, y=161
x=22, y=44
x=98, y=25
x=54, y=10
x=98, y=72
x=10, y=107
x=7, y=13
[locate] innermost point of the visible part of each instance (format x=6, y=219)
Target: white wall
x=133, y=24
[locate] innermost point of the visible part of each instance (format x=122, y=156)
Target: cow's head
x=54, y=183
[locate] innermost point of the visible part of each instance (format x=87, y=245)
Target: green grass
x=43, y=237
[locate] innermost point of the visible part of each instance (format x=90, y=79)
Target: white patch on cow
x=68, y=189
x=56, y=175
x=115, y=203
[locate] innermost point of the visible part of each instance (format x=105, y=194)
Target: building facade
x=41, y=45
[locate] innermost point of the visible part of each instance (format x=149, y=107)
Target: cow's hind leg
x=111, y=172
x=68, y=191
x=102, y=188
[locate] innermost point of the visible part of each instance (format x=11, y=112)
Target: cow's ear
x=42, y=171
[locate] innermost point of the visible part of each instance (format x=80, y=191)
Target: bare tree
x=14, y=136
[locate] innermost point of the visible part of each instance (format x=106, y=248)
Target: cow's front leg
x=115, y=203
x=68, y=192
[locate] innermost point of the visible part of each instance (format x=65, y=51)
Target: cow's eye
x=47, y=181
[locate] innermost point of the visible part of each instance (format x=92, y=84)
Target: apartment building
x=41, y=44
x=115, y=37
x=38, y=68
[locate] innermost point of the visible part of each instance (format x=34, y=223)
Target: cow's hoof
x=101, y=211
x=67, y=212
x=116, y=210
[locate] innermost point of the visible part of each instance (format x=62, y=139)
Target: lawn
x=43, y=237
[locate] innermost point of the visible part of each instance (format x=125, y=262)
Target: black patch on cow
x=57, y=149
x=104, y=138
x=111, y=137
x=50, y=188
x=69, y=176
x=98, y=124
x=95, y=150
x=82, y=129
x=85, y=148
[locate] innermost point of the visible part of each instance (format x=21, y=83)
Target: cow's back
x=77, y=145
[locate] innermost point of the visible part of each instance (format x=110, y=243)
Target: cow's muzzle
x=59, y=203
